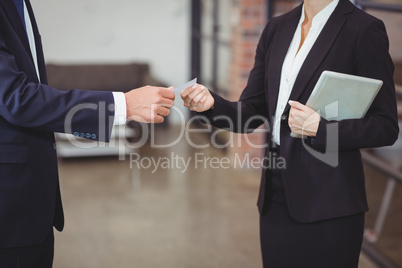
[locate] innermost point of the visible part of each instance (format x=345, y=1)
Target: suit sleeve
x=380, y=125
x=250, y=111
x=88, y=114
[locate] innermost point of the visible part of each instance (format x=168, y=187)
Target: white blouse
x=294, y=61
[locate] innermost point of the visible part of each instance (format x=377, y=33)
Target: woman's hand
x=197, y=98
x=303, y=120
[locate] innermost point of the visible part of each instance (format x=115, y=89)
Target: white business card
x=184, y=86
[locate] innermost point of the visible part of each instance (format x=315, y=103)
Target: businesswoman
x=312, y=211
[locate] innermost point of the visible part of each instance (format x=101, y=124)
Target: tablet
x=338, y=96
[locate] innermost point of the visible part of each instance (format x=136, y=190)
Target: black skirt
x=333, y=243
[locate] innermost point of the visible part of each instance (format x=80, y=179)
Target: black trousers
x=286, y=243
x=37, y=256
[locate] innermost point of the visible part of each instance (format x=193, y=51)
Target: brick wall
x=246, y=33
x=284, y=6
x=247, y=30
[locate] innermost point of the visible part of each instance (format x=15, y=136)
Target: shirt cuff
x=120, y=108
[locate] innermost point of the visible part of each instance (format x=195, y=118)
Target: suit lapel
x=15, y=20
x=280, y=44
x=38, y=44
x=320, y=49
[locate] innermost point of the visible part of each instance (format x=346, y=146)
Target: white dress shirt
x=120, y=113
x=294, y=60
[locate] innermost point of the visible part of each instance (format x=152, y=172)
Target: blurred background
x=122, y=214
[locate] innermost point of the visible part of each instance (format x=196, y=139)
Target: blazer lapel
x=320, y=49
x=16, y=22
x=38, y=44
x=282, y=38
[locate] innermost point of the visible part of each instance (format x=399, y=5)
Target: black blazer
x=351, y=42
x=30, y=112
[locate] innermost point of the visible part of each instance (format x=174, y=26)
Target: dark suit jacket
x=351, y=42
x=30, y=111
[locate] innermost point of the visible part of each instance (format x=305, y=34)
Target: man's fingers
x=166, y=92
x=158, y=119
x=162, y=111
x=165, y=102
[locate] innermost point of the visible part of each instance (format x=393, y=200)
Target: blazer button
x=88, y=136
x=54, y=146
x=284, y=120
x=93, y=137
x=82, y=135
x=76, y=134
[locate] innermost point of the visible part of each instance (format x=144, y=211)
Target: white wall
x=118, y=31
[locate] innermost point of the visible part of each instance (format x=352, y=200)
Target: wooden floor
x=118, y=216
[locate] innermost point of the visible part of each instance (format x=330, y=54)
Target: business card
x=179, y=89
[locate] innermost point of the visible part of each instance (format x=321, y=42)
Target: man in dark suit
x=312, y=213
x=30, y=111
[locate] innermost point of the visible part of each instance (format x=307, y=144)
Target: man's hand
x=197, y=98
x=303, y=120
x=149, y=104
